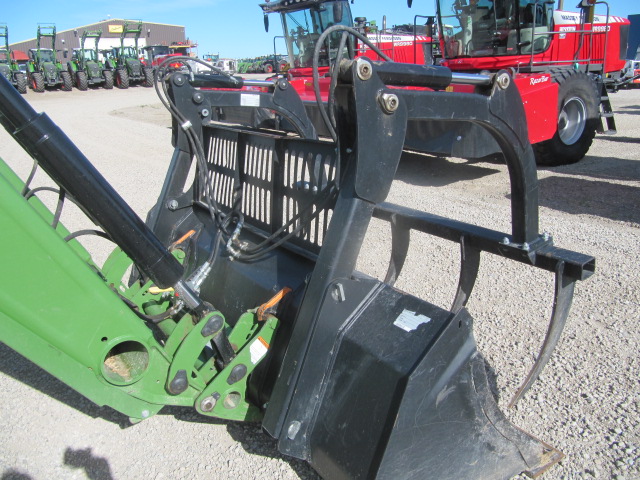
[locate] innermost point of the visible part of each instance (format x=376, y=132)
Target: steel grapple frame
x=345, y=371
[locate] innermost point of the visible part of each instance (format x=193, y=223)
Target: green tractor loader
x=44, y=70
x=125, y=63
x=85, y=67
x=8, y=67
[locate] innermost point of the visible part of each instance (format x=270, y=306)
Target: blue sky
x=233, y=28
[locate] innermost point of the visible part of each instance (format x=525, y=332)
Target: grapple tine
x=469, y=266
x=561, y=306
x=400, y=238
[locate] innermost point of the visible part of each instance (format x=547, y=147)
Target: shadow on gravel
x=256, y=442
x=430, y=171
x=12, y=474
x=603, y=199
x=249, y=435
x=618, y=139
x=635, y=110
x=95, y=468
x=607, y=168
x=18, y=367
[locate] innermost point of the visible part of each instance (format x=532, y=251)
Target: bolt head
x=389, y=102
x=179, y=79
x=208, y=404
x=337, y=293
x=293, y=429
x=364, y=69
x=173, y=205
x=503, y=81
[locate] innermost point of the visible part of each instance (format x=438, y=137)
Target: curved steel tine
x=561, y=306
x=469, y=266
x=400, y=238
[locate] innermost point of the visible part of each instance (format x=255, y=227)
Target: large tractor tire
x=37, y=82
x=72, y=72
x=578, y=117
x=81, y=81
x=148, y=77
x=108, y=79
x=21, y=83
x=67, y=81
x=122, y=78
x=268, y=68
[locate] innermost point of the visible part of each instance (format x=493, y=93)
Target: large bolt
x=179, y=383
x=208, y=404
x=198, y=97
x=293, y=429
x=503, y=81
x=364, y=69
x=389, y=102
x=179, y=79
x=213, y=325
x=173, y=205
x=337, y=292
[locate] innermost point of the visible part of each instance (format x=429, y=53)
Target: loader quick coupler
x=345, y=371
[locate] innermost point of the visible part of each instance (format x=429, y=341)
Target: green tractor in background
x=8, y=67
x=124, y=61
x=85, y=67
x=44, y=70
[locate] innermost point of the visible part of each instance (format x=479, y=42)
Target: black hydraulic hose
x=81, y=233
x=32, y=174
x=409, y=75
x=68, y=167
x=216, y=80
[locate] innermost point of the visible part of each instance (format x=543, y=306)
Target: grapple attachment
x=348, y=373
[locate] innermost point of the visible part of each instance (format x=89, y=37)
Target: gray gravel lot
x=586, y=403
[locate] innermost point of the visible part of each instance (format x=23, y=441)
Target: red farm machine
x=239, y=296
x=154, y=55
x=563, y=63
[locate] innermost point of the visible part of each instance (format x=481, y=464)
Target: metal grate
x=273, y=180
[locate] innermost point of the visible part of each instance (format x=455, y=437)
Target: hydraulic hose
x=69, y=168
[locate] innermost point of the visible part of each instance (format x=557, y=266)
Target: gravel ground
x=586, y=402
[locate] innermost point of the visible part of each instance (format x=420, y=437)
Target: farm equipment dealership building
x=67, y=40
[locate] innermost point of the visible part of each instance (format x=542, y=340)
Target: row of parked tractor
x=88, y=65
x=264, y=64
x=118, y=66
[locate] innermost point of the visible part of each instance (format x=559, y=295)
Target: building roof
x=93, y=25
